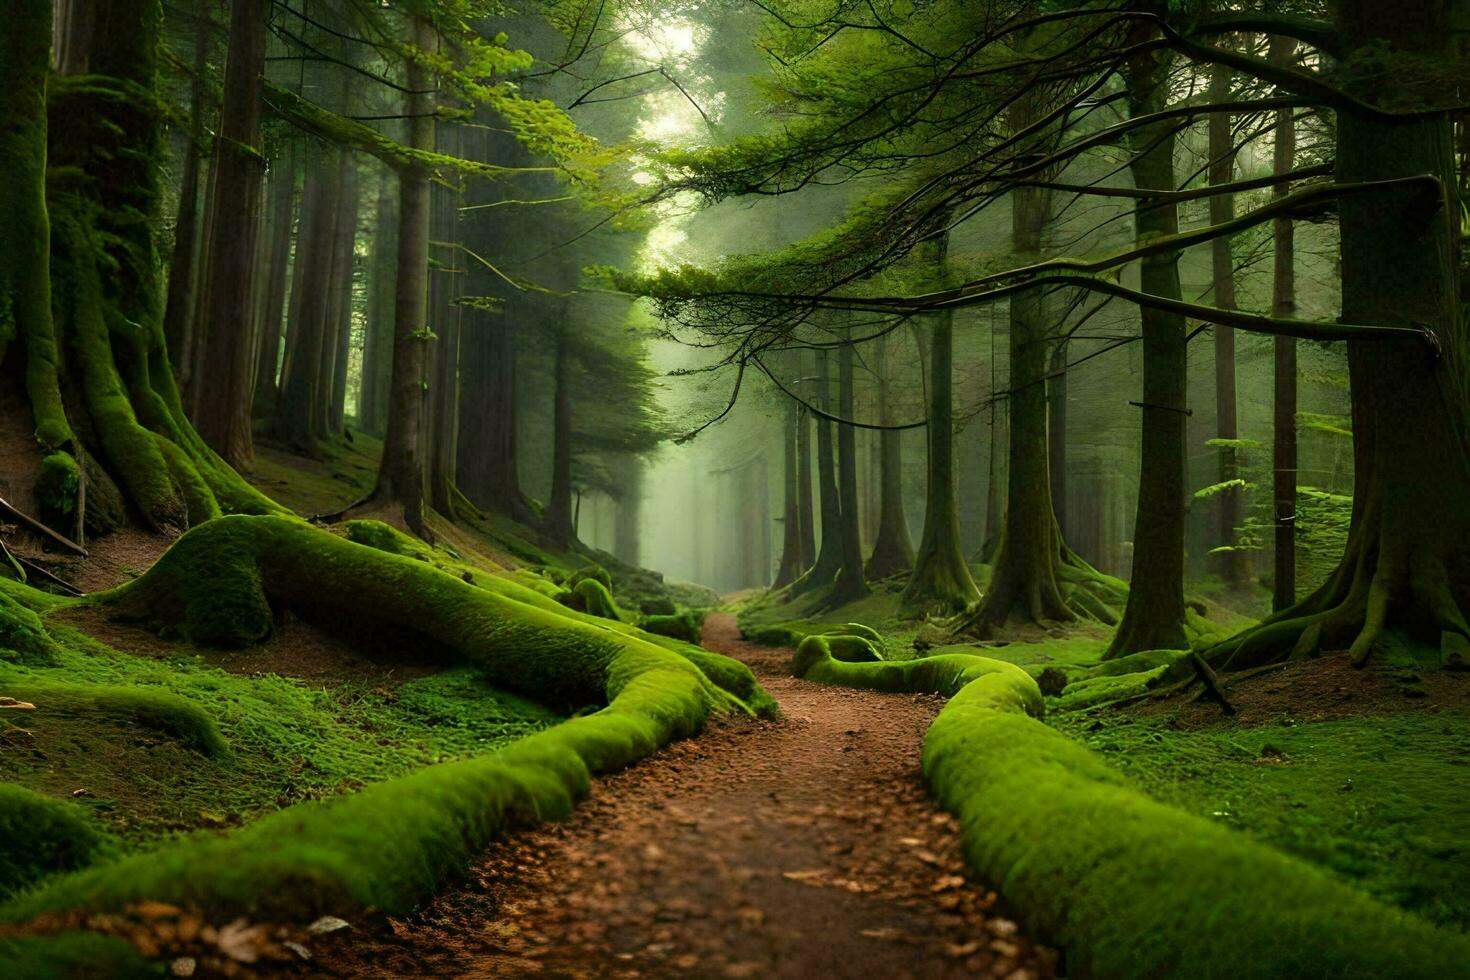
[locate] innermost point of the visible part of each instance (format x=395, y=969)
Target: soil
x=803, y=847
x=1319, y=689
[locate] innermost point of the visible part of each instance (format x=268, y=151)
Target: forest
x=735, y=488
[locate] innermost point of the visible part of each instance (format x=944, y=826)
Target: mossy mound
x=151, y=708
x=684, y=626
x=23, y=640
x=590, y=596
x=40, y=836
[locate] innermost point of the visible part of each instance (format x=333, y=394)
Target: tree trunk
x=25, y=231
x=1404, y=578
x=337, y=337
x=299, y=422
x=941, y=581
x=829, y=552
x=627, y=525
x=805, y=504
x=791, y=566
x=129, y=411
x=446, y=285
x=1056, y=404
x=560, y=526
x=1154, y=617
x=1023, y=584
x=281, y=217
x=1283, y=304
x=488, y=459
x=850, y=583
x=377, y=352
x=893, y=552
x=178, y=317
x=1234, y=564
x=401, y=472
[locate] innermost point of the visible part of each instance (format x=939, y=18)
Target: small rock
x=327, y=923
x=184, y=966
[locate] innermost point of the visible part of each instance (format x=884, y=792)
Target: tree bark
x=1283, y=304
x=1154, y=617
x=893, y=552
x=401, y=472
x=1234, y=564
x=805, y=504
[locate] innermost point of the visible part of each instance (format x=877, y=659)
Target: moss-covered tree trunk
x=1405, y=574
x=1234, y=563
x=26, y=329
x=941, y=580
x=401, y=472
x=223, y=416
x=850, y=583
x=1283, y=304
x=893, y=552
x=103, y=197
x=1154, y=617
x=829, y=551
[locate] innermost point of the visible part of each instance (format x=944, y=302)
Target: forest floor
x=801, y=847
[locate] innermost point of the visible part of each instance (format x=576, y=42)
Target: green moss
x=684, y=626
x=1378, y=802
x=56, y=492
x=23, y=639
x=150, y=708
x=40, y=836
x=72, y=956
x=315, y=858
x=1132, y=888
x=594, y=572
x=592, y=597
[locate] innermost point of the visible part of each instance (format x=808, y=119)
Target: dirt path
x=805, y=847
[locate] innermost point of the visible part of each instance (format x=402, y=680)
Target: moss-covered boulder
x=684, y=626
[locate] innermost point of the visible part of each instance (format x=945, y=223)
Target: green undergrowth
x=227, y=583
x=40, y=836
x=163, y=745
x=344, y=474
x=1378, y=801
x=1128, y=885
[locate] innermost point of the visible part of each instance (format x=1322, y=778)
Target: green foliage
x=77, y=955
x=1132, y=888
x=40, y=836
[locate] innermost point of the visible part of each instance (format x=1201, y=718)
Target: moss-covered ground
x=1370, y=790
x=1380, y=801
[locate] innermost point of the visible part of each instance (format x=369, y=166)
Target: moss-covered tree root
x=222, y=582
